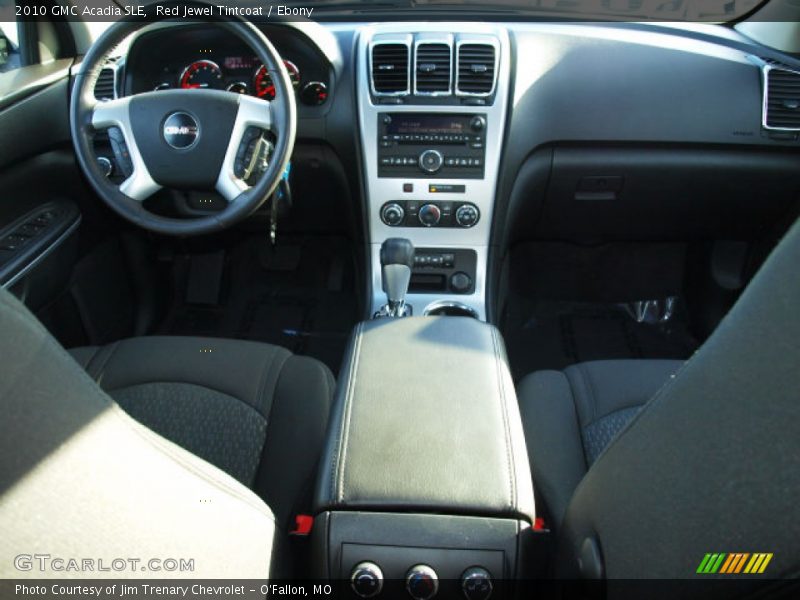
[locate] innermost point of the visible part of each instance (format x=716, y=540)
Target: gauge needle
x=192, y=86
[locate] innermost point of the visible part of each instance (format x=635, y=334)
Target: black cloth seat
x=571, y=416
x=253, y=410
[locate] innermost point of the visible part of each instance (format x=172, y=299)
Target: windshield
x=717, y=11
x=661, y=10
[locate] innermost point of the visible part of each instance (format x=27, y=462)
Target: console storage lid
x=426, y=420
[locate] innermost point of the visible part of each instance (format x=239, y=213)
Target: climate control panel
x=413, y=213
x=421, y=582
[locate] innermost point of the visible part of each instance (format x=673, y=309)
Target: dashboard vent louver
x=782, y=103
x=433, y=68
x=390, y=72
x=476, y=69
x=104, y=88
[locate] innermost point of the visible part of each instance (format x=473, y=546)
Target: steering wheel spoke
x=253, y=112
x=110, y=114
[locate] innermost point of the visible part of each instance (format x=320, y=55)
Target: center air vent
x=390, y=69
x=782, y=104
x=104, y=88
x=476, y=69
x=433, y=68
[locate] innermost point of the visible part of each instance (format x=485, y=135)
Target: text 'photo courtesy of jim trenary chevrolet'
x=400, y=299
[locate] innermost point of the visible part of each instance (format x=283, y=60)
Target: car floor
x=299, y=294
x=571, y=303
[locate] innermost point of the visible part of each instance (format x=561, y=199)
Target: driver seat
x=79, y=473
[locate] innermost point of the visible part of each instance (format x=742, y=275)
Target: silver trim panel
x=253, y=112
x=477, y=40
x=404, y=40
x=434, y=39
x=765, y=70
x=116, y=113
x=480, y=192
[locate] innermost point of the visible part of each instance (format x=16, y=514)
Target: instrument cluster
x=242, y=75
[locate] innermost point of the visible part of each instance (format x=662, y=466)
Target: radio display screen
x=427, y=124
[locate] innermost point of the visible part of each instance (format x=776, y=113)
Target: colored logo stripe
x=734, y=563
x=758, y=563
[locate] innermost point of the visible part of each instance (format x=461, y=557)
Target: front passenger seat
x=570, y=417
x=708, y=465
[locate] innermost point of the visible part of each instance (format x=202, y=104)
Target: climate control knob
x=366, y=580
x=429, y=215
x=392, y=214
x=476, y=583
x=431, y=161
x=467, y=215
x=422, y=583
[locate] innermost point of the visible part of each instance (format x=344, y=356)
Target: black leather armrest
x=426, y=420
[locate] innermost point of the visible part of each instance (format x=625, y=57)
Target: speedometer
x=263, y=82
x=202, y=74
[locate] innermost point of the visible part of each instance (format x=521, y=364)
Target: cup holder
x=450, y=309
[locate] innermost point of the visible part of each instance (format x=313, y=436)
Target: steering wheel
x=184, y=139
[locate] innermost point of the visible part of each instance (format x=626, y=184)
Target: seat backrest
x=712, y=462
x=80, y=479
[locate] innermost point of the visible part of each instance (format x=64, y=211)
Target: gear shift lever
x=397, y=258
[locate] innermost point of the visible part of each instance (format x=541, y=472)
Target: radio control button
x=478, y=123
x=431, y=161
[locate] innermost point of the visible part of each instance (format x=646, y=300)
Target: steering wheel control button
x=431, y=161
x=460, y=283
x=366, y=580
x=429, y=215
x=476, y=583
x=467, y=215
x=422, y=583
x=106, y=166
x=393, y=214
x=181, y=130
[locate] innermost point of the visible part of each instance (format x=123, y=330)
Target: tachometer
x=202, y=74
x=264, y=87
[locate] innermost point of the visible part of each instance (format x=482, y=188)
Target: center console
x=424, y=486
x=432, y=107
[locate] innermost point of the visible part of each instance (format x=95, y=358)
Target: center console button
x=429, y=215
x=466, y=215
x=431, y=161
x=392, y=214
x=366, y=580
x=422, y=583
x=476, y=583
x=478, y=123
x=460, y=282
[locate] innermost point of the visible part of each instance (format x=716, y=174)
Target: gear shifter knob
x=397, y=259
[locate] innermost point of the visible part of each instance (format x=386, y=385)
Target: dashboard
x=467, y=136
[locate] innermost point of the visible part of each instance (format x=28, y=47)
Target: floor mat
x=299, y=295
x=553, y=335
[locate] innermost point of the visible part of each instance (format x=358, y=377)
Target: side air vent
x=476, y=69
x=390, y=69
x=433, y=69
x=782, y=98
x=104, y=88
